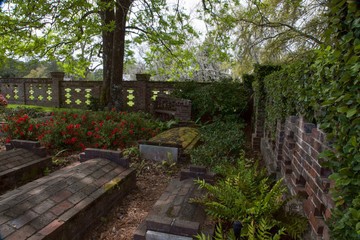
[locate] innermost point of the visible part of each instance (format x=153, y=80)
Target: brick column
x=143, y=102
x=258, y=126
x=56, y=78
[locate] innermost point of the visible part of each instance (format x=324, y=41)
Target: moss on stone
x=112, y=184
x=183, y=136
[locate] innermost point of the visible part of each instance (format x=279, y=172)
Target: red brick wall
x=293, y=155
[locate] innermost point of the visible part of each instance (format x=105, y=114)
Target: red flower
x=131, y=131
x=153, y=134
x=63, y=133
x=89, y=133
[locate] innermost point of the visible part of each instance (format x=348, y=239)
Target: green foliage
x=221, y=142
x=264, y=31
x=219, y=234
x=249, y=196
x=94, y=104
x=219, y=100
x=325, y=89
x=36, y=112
x=47, y=171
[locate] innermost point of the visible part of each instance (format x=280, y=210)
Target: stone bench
x=64, y=204
x=173, y=216
x=22, y=162
x=167, y=108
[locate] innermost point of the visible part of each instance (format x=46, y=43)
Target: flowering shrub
x=3, y=101
x=76, y=131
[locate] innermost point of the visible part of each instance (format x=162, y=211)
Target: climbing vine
x=325, y=89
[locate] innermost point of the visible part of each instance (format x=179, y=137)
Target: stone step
x=22, y=164
x=64, y=204
x=174, y=216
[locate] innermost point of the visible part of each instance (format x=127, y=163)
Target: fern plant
x=248, y=195
x=255, y=233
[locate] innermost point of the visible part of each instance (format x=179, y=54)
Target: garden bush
x=219, y=142
x=75, y=131
x=216, y=100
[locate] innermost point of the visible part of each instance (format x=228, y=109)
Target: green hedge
x=225, y=100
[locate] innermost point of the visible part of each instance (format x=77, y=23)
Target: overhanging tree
x=264, y=31
x=61, y=29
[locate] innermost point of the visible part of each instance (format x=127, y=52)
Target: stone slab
x=64, y=204
x=152, y=235
x=159, y=153
x=183, y=136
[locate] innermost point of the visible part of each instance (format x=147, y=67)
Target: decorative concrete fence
x=49, y=92
x=55, y=92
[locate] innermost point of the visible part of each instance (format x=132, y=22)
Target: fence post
x=56, y=78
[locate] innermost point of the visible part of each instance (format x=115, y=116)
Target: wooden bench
x=167, y=108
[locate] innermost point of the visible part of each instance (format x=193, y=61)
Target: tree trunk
x=107, y=16
x=118, y=52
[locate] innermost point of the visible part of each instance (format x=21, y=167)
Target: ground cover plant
x=75, y=131
x=220, y=142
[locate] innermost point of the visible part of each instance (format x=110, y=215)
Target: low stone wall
x=64, y=204
x=23, y=161
x=293, y=155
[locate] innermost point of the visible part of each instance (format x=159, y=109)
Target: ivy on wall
x=325, y=88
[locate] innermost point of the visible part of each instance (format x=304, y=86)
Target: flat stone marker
x=169, y=145
x=64, y=204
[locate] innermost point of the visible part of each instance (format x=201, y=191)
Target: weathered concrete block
x=159, y=153
x=152, y=235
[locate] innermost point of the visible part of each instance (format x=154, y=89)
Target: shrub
x=223, y=100
x=220, y=142
x=3, y=101
x=75, y=131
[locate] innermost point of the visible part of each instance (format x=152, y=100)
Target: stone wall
x=293, y=155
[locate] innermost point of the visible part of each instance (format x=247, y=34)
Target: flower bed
x=69, y=131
